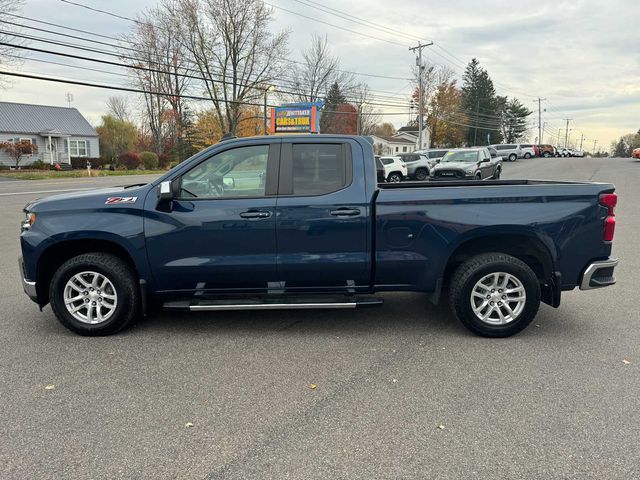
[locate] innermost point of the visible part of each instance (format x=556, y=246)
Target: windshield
x=469, y=156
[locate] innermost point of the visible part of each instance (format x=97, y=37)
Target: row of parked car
x=513, y=151
x=476, y=163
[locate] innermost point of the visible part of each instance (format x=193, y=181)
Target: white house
x=59, y=132
x=405, y=140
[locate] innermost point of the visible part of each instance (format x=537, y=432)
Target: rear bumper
x=599, y=274
x=28, y=286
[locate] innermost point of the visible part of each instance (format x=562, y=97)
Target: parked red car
x=545, y=151
x=636, y=153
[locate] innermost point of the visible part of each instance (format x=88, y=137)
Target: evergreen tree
x=481, y=105
x=514, y=119
x=334, y=98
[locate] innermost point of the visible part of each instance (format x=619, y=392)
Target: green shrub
x=149, y=160
x=39, y=165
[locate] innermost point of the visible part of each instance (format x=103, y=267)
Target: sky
x=582, y=56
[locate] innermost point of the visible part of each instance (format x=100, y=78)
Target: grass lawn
x=44, y=174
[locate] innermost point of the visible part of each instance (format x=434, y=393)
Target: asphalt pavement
x=402, y=391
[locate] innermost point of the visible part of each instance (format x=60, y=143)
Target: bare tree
x=158, y=66
x=8, y=52
x=312, y=78
x=233, y=47
x=369, y=115
x=118, y=106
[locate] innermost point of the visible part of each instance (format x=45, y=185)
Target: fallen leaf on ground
x=188, y=424
x=50, y=387
x=626, y=362
x=313, y=386
x=395, y=380
x=441, y=427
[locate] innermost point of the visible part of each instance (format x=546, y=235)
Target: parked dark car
x=300, y=222
x=468, y=164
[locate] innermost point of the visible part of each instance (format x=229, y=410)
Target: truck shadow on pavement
x=408, y=313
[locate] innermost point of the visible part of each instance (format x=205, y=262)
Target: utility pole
x=566, y=132
x=69, y=97
x=540, y=120
x=268, y=89
x=420, y=92
x=544, y=125
x=594, y=146
x=475, y=131
x=581, y=139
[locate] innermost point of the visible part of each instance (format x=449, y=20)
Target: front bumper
x=599, y=274
x=28, y=286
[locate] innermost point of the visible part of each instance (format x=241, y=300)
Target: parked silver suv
x=509, y=152
x=418, y=165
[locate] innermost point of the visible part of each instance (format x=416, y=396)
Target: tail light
x=609, y=200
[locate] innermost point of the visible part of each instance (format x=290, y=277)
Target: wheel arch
x=57, y=253
x=526, y=246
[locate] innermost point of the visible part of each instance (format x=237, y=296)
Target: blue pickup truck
x=301, y=222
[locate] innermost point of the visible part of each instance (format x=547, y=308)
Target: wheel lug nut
x=499, y=303
x=93, y=303
x=498, y=291
x=490, y=303
x=100, y=299
x=493, y=290
x=504, y=297
x=86, y=300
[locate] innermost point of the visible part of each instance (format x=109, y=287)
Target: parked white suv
x=509, y=152
x=395, y=170
x=527, y=150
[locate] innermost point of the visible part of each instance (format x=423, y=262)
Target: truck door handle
x=345, y=212
x=255, y=214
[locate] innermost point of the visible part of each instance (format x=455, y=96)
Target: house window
x=396, y=149
x=78, y=148
x=404, y=149
x=20, y=140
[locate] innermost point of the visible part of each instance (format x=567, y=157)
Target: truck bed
x=475, y=183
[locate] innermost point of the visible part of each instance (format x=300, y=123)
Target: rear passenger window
x=319, y=169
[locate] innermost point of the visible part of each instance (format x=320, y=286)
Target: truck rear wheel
x=495, y=295
x=94, y=294
x=513, y=157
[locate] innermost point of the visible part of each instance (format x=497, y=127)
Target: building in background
x=405, y=140
x=59, y=132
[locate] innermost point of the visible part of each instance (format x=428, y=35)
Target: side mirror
x=486, y=160
x=165, y=191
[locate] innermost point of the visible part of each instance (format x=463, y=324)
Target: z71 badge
x=119, y=200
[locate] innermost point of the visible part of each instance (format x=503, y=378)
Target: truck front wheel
x=495, y=295
x=94, y=294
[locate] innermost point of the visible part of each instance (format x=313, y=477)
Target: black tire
x=394, y=177
x=471, y=272
x=119, y=274
x=478, y=177
x=546, y=154
x=527, y=155
x=421, y=174
x=513, y=157
x=496, y=175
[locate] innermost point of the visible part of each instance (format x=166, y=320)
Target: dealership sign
x=296, y=118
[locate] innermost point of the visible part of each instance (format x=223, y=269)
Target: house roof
x=36, y=119
x=393, y=139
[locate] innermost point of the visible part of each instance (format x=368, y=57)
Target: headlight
x=29, y=221
x=470, y=170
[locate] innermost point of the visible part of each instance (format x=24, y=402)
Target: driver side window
x=239, y=172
